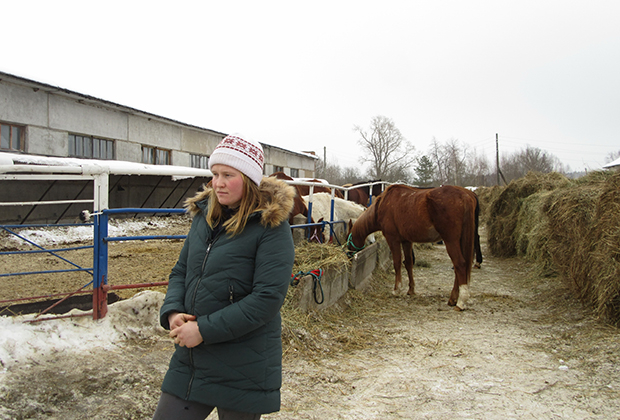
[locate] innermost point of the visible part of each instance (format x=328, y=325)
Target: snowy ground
x=525, y=348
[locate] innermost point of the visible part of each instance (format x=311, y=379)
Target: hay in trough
x=341, y=327
x=311, y=255
x=344, y=326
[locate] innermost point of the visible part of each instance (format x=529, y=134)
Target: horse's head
x=315, y=233
x=351, y=248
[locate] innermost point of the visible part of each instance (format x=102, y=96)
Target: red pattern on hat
x=243, y=146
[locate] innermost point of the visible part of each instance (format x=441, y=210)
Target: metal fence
x=101, y=238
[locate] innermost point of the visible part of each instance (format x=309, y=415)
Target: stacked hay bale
x=486, y=196
x=570, y=228
x=505, y=210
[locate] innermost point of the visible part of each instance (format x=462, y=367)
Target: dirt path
x=523, y=349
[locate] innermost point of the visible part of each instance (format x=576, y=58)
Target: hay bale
x=504, y=210
x=486, y=196
x=570, y=228
x=531, y=232
x=570, y=213
x=605, y=255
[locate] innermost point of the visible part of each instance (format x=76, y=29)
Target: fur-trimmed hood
x=279, y=198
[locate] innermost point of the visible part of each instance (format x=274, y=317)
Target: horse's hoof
x=477, y=265
x=451, y=303
x=456, y=308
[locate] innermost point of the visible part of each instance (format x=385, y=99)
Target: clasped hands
x=184, y=329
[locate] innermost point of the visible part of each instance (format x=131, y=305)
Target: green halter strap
x=351, y=244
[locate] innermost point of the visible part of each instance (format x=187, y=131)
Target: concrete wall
x=20, y=105
x=309, y=292
x=336, y=282
x=72, y=116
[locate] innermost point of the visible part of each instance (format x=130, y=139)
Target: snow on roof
x=11, y=162
x=612, y=164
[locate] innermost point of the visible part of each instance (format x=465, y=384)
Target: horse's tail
x=477, y=248
x=468, y=235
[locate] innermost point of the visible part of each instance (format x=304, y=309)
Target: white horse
x=344, y=210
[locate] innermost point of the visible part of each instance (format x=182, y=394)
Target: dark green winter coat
x=235, y=286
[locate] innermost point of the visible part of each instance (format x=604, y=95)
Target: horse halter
x=315, y=237
x=350, y=245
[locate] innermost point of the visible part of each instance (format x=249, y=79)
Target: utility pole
x=499, y=171
x=324, y=159
x=497, y=156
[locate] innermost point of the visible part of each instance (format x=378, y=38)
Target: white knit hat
x=241, y=153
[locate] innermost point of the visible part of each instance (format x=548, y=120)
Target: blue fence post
x=309, y=219
x=331, y=218
x=100, y=266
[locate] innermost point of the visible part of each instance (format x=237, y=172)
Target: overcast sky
x=301, y=75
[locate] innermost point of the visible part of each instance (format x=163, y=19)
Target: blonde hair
x=251, y=201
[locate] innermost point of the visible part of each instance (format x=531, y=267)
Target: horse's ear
x=320, y=220
x=350, y=225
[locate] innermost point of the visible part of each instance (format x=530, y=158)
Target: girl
x=225, y=292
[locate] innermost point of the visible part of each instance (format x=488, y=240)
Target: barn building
x=38, y=119
x=615, y=165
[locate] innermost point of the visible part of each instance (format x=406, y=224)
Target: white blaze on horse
x=344, y=211
x=406, y=215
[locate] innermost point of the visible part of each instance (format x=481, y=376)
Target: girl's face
x=228, y=185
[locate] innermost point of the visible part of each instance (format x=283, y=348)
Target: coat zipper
x=191, y=351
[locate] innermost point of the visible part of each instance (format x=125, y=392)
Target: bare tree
x=612, y=156
x=388, y=152
x=330, y=172
x=351, y=175
x=456, y=164
x=530, y=159
x=450, y=160
x=479, y=171
x=438, y=158
x=456, y=156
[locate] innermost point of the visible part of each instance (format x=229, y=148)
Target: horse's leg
x=409, y=260
x=460, y=290
x=396, y=258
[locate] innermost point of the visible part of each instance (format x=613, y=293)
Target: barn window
x=294, y=173
x=90, y=147
x=155, y=155
x=12, y=137
x=199, y=161
x=278, y=168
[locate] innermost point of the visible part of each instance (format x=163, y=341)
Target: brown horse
x=361, y=195
x=315, y=233
x=305, y=189
x=405, y=215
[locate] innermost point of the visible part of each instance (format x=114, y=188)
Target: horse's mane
x=367, y=222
